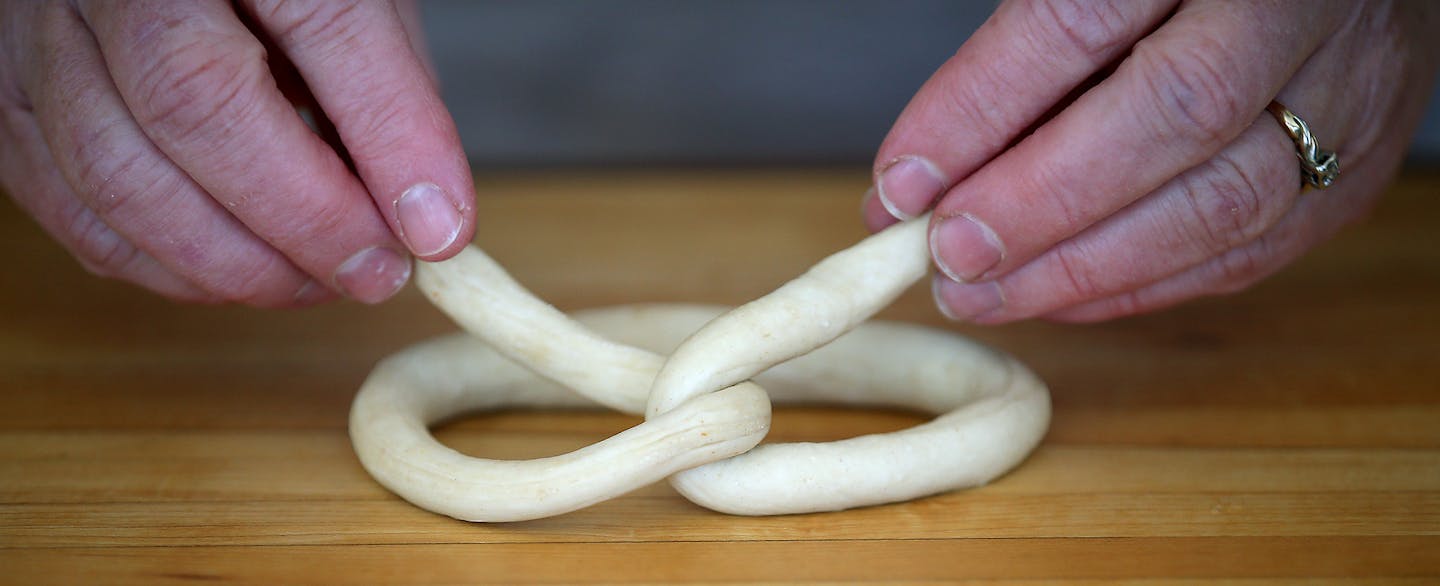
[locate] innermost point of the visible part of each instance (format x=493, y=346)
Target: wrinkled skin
x=1085, y=159
x=1088, y=159
x=160, y=143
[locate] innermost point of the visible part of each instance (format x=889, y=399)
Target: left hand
x=1088, y=160
x=163, y=143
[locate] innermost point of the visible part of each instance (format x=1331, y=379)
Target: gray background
x=556, y=82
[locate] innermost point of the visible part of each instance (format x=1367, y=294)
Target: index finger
x=1011, y=72
x=197, y=84
x=1183, y=93
x=358, y=60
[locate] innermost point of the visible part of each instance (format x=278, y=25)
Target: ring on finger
x=1318, y=167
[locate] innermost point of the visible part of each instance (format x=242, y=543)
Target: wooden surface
x=1290, y=433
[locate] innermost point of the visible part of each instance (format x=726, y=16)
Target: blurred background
x=565, y=82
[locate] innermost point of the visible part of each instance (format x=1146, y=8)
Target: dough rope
x=704, y=379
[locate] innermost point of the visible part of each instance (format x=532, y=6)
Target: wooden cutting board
x=1289, y=433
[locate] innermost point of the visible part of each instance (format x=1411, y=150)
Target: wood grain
x=1288, y=434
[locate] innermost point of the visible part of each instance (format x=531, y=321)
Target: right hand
x=153, y=139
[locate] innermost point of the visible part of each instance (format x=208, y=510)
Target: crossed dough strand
x=705, y=412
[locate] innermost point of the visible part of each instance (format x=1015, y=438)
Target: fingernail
x=964, y=248
x=962, y=301
x=908, y=185
x=373, y=275
x=310, y=293
x=429, y=221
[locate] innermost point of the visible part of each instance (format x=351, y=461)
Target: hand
x=1093, y=159
x=160, y=143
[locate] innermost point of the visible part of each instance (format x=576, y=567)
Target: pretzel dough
x=705, y=407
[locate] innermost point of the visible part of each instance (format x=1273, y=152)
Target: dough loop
x=697, y=374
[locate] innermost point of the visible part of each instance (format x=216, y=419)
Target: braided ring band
x=1318, y=167
x=705, y=411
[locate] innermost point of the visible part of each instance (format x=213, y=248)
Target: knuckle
x=100, y=249
x=312, y=221
x=304, y=23
x=1241, y=268
x=1067, y=208
x=1073, y=272
x=1095, y=28
x=961, y=94
x=109, y=180
x=201, y=88
x=380, y=126
x=258, y=282
x=1128, y=303
x=937, y=109
x=1228, y=207
x=1192, y=91
x=1120, y=305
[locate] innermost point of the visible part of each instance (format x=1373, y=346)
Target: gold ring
x=1318, y=167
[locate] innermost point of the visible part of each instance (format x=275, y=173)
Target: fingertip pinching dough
x=704, y=378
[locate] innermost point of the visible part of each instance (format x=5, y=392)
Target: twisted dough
x=705, y=412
